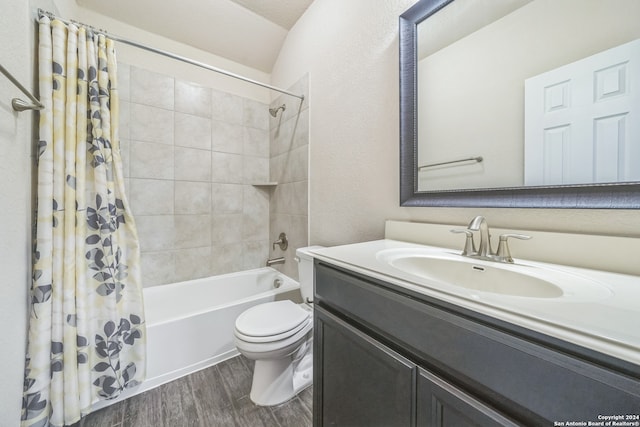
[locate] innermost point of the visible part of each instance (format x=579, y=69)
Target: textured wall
x=350, y=50
x=15, y=201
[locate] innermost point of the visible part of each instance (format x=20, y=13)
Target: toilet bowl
x=278, y=336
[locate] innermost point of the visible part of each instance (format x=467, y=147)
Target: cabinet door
x=358, y=381
x=440, y=404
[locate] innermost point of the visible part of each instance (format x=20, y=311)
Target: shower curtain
x=86, y=329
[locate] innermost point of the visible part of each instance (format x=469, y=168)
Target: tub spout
x=273, y=261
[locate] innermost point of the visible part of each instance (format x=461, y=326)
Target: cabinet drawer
x=525, y=380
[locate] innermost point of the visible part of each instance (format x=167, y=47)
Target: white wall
x=350, y=50
x=15, y=211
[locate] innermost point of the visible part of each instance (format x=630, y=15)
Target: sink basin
x=487, y=277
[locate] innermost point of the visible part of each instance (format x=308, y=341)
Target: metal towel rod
x=17, y=103
x=477, y=159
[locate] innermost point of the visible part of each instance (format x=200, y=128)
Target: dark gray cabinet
x=363, y=382
x=386, y=356
x=443, y=405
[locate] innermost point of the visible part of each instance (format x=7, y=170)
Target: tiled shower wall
x=289, y=167
x=191, y=154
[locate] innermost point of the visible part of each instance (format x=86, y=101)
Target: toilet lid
x=271, y=318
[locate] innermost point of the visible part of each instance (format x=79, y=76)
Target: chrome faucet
x=273, y=261
x=484, y=251
x=479, y=223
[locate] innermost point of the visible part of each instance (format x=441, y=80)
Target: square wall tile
x=255, y=227
x=226, y=168
x=226, y=258
x=192, y=98
x=300, y=201
x=278, y=168
x=155, y=232
x=192, y=263
x=192, y=231
x=151, y=124
x=226, y=107
x=151, y=160
x=298, y=165
x=124, y=128
x=124, y=81
x=256, y=169
x=301, y=130
x=158, y=268
x=192, y=197
x=125, y=155
x=282, y=198
x=192, y=131
x=226, y=137
x=282, y=136
x=298, y=229
x=255, y=142
x=255, y=114
x=226, y=198
x=151, y=197
x=192, y=165
x=255, y=254
x=151, y=88
x=255, y=223
x=226, y=229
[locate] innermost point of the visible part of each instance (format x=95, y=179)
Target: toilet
x=278, y=336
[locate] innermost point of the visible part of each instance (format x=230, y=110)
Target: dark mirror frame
x=587, y=196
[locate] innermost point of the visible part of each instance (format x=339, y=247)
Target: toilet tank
x=305, y=271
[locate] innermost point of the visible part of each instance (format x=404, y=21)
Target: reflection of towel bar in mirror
x=468, y=159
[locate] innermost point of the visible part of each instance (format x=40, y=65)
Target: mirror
x=464, y=66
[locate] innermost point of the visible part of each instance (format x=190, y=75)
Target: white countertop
x=609, y=324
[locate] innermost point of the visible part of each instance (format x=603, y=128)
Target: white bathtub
x=190, y=324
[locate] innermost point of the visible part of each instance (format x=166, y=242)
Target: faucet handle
x=282, y=242
x=469, y=244
x=503, y=254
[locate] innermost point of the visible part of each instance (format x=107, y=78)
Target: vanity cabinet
x=386, y=356
x=365, y=383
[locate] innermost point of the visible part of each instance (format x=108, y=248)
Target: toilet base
x=277, y=380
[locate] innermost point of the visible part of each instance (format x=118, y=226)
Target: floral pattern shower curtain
x=86, y=334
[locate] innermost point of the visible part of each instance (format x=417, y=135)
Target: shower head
x=274, y=111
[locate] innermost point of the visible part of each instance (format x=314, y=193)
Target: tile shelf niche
x=265, y=184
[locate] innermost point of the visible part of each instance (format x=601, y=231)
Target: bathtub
x=190, y=324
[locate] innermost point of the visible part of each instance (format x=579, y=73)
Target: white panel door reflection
x=582, y=121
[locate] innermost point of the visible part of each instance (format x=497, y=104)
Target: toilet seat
x=273, y=321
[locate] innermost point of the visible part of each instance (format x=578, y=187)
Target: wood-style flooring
x=214, y=397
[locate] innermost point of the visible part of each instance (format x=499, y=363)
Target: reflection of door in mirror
x=581, y=122
x=471, y=95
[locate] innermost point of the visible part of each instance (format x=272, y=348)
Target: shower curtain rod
x=173, y=55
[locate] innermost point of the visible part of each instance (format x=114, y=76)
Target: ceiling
x=250, y=32
x=282, y=12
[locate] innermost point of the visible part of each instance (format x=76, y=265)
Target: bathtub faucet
x=282, y=242
x=273, y=261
